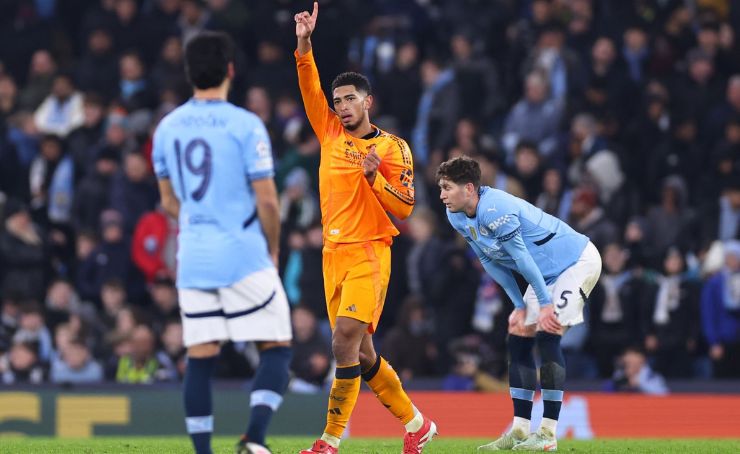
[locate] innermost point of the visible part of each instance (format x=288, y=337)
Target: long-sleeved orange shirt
x=351, y=210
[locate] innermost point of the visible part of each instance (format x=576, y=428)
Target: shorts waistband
x=333, y=246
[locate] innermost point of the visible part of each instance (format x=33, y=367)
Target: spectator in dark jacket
x=311, y=353
x=97, y=70
x=22, y=249
x=673, y=333
x=618, y=314
x=110, y=259
x=93, y=193
x=133, y=191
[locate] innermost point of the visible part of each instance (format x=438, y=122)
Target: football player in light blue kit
x=214, y=164
x=562, y=266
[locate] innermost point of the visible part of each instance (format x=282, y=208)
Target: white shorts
x=570, y=289
x=253, y=309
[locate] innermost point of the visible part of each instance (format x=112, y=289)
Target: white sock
x=331, y=439
x=520, y=425
x=550, y=424
x=415, y=424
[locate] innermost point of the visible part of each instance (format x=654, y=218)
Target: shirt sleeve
x=257, y=153
x=506, y=280
x=314, y=101
x=394, y=182
x=505, y=227
x=159, y=162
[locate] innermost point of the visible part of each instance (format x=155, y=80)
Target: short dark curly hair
x=360, y=82
x=461, y=170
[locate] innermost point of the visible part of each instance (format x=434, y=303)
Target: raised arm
x=314, y=101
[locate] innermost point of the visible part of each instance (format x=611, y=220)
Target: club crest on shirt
x=473, y=233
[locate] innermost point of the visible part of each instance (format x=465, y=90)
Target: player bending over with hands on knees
x=214, y=164
x=364, y=173
x=561, y=266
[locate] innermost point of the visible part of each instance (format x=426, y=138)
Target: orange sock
x=387, y=387
x=342, y=399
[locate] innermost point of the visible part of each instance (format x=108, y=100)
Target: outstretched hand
x=305, y=23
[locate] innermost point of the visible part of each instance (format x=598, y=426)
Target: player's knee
x=523, y=330
x=206, y=350
x=367, y=360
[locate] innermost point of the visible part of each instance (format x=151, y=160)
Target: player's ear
x=230, y=71
x=368, y=102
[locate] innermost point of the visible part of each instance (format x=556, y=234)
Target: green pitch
x=290, y=445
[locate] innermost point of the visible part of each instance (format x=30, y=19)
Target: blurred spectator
x=671, y=222
x=134, y=90
x=633, y=374
x=40, y=80
x=52, y=182
x=437, y=112
x=618, y=309
x=528, y=168
x=8, y=96
x=311, y=282
x=133, y=190
x=140, y=366
x=673, y=334
x=110, y=259
x=22, y=248
x=154, y=244
x=720, y=314
x=193, y=18
x=61, y=111
x=401, y=87
x=299, y=207
x=699, y=89
x=721, y=219
x=164, y=299
x=76, y=365
x=83, y=141
x=32, y=330
x=536, y=117
x=21, y=365
x=555, y=198
x=312, y=359
x=411, y=350
x=635, y=52
x=93, y=192
x=169, y=71
x=680, y=155
x=477, y=78
x=171, y=357
x=589, y=218
x=467, y=373
x=609, y=88
x=97, y=70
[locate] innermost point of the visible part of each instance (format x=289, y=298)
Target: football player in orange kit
x=364, y=173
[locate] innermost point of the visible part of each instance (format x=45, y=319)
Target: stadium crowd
x=620, y=117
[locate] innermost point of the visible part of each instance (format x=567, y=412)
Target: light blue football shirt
x=210, y=151
x=510, y=234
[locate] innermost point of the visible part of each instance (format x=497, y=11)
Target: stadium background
x=621, y=117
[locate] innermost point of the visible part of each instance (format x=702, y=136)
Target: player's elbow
x=404, y=211
x=269, y=206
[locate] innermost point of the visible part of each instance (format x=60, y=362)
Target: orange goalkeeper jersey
x=351, y=210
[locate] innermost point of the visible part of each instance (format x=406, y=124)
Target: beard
x=355, y=125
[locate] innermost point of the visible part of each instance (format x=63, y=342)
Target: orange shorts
x=356, y=280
